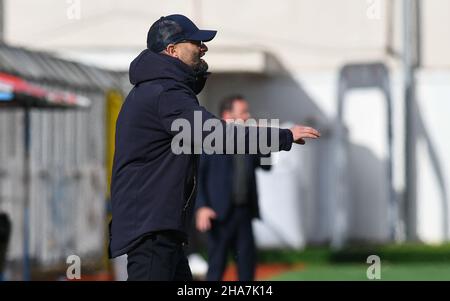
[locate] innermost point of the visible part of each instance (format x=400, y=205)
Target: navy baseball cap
x=173, y=29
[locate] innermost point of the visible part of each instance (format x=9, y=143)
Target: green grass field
x=352, y=272
x=398, y=262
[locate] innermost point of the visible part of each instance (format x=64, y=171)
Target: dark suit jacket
x=215, y=183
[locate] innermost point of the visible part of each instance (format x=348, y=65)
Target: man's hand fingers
x=204, y=217
x=309, y=135
x=309, y=130
x=199, y=226
x=312, y=131
x=206, y=225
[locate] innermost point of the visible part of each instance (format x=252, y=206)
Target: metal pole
x=410, y=132
x=393, y=202
x=27, y=194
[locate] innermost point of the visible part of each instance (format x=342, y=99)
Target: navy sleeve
x=180, y=112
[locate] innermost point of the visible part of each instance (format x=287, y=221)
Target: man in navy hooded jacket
x=153, y=188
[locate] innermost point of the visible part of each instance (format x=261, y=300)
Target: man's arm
x=177, y=106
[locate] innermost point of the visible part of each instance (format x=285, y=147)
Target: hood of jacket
x=148, y=66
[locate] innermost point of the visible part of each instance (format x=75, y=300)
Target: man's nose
x=203, y=48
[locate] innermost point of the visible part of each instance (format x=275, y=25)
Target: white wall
x=434, y=107
x=302, y=33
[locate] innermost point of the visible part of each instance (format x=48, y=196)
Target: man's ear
x=171, y=50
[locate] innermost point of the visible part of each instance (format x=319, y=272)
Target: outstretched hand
x=300, y=132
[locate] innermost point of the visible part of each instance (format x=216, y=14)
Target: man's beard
x=201, y=66
x=201, y=75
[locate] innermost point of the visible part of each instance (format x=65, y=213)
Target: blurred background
x=372, y=75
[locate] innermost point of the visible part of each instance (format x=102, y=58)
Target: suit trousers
x=234, y=234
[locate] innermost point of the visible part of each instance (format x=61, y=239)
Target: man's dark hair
x=227, y=103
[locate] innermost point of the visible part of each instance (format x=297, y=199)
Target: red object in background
x=20, y=86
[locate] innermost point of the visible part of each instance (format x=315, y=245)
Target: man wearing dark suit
x=227, y=202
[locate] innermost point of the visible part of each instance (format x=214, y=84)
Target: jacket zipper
x=190, y=196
